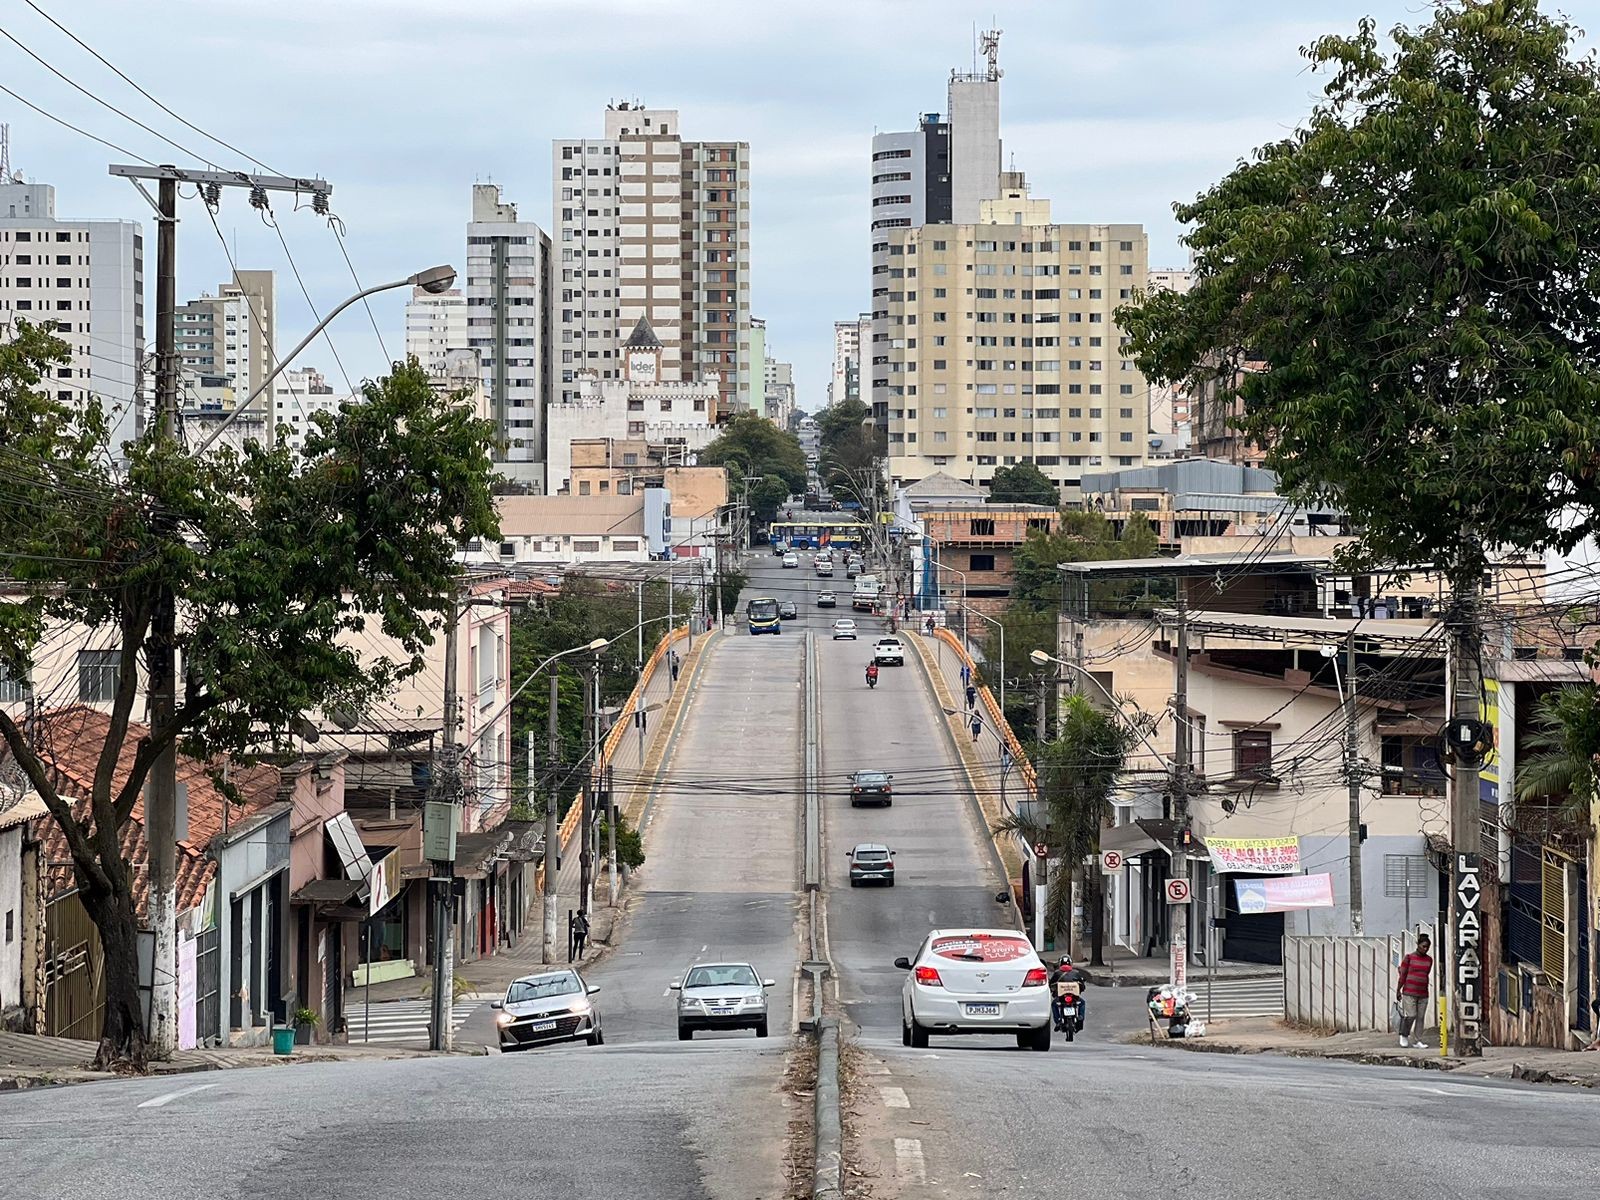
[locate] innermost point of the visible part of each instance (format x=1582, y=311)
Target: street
x=648, y=1116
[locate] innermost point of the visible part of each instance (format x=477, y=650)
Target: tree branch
x=150, y=748
x=71, y=828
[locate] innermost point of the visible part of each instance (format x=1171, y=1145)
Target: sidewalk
x=32, y=1060
x=1530, y=1064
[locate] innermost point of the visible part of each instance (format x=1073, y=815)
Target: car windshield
x=542, y=988
x=726, y=976
x=871, y=778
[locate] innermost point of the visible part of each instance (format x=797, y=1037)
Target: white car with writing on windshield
x=975, y=981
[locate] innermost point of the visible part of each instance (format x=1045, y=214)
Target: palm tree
x=1077, y=772
x=1560, y=763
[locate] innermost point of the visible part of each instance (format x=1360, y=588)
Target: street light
x=1040, y=658
x=433, y=281
x=998, y=625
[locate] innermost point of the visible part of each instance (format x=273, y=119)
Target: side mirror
x=496, y=1004
x=593, y=988
x=766, y=983
x=903, y=963
x=676, y=987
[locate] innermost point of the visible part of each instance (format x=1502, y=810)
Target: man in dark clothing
x=580, y=934
x=1067, y=972
x=1411, y=990
x=972, y=696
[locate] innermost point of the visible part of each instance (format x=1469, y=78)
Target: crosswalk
x=400, y=1020
x=1237, y=997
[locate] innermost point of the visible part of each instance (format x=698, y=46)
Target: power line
x=75, y=129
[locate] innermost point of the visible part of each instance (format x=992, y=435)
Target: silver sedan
x=553, y=1006
x=721, y=996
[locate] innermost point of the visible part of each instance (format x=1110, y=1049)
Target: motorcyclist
x=1066, y=972
x=872, y=673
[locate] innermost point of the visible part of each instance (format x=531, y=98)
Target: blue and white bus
x=762, y=615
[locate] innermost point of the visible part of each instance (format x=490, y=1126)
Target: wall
x=1346, y=983
x=11, y=914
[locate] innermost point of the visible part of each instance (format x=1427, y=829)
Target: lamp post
x=1001, y=627
x=939, y=566
x=433, y=281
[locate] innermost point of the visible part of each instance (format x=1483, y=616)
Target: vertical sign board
x=1467, y=951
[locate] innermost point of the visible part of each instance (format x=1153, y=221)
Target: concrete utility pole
x=1467, y=741
x=1352, y=758
x=445, y=813
x=552, y=824
x=586, y=828
x=1039, y=713
x=161, y=646
x=611, y=834
x=1181, y=751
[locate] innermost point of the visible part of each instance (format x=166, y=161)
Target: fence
x=1348, y=983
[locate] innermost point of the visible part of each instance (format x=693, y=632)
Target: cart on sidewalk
x=1171, y=1005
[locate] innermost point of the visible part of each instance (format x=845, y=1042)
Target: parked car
x=889, y=652
x=551, y=1006
x=721, y=996
x=791, y=560
x=844, y=627
x=871, y=862
x=827, y=600
x=975, y=981
x=871, y=787
x=788, y=611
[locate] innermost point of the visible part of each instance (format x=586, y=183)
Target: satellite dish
x=344, y=719
x=306, y=731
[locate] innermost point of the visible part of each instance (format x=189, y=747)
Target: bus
x=762, y=615
x=845, y=533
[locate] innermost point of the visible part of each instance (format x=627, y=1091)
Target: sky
x=1114, y=111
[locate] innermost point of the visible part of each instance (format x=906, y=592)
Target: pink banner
x=1284, y=893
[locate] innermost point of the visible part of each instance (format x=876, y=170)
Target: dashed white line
x=894, y=1097
x=908, y=1164
x=163, y=1101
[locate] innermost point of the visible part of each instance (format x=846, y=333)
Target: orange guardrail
x=996, y=714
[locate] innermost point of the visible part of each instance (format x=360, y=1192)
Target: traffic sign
x=1111, y=862
x=1040, y=850
x=1177, y=891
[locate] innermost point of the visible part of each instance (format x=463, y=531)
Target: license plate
x=542, y=1026
x=720, y=1012
x=983, y=1010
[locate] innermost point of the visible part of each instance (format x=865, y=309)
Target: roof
x=69, y=741
x=642, y=338
x=588, y=516
x=1209, y=476
x=22, y=811
x=1188, y=565
x=1311, y=627
x=941, y=484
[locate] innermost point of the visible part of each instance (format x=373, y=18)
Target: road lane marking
x=162, y=1101
x=894, y=1097
x=909, y=1166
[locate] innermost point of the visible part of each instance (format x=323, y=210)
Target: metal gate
x=1584, y=948
x=208, y=985
x=74, y=971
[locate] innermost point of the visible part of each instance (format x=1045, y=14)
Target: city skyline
x=1112, y=116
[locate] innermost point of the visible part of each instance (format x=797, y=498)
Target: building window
x=980, y=562
x=580, y=546
x=11, y=690
x=981, y=527
x=1252, y=753
x=98, y=675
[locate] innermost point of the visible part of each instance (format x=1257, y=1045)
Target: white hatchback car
x=844, y=627
x=975, y=981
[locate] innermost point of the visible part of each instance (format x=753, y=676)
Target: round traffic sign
x=1177, y=891
x=1040, y=850
x=1111, y=860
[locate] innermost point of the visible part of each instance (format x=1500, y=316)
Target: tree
x=848, y=448
x=271, y=556
x=1561, y=752
x=1078, y=772
x=1402, y=293
x=750, y=445
x=1023, y=484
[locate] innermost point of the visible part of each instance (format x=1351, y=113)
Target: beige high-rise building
x=651, y=226
x=1002, y=347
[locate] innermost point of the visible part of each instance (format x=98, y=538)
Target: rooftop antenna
x=5, y=154
x=990, y=44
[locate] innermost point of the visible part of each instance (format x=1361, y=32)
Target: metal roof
x=1241, y=562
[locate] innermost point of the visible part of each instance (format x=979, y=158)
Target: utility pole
x=586, y=828
x=440, y=822
x=161, y=646
x=1352, y=752
x=1039, y=712
x=611, y=834
x=1178, y=921
x=552, y=826
x=1467, y=740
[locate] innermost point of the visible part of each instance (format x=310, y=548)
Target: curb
x=827, y=1178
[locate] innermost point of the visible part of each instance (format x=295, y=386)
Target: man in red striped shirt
x=1411, y=992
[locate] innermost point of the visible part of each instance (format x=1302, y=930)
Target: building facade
x=1001, y=345
x=850, y=338
x=508, y=324
x=651, y=225
x=86, y=277
x=298, y=394
x=435, y=325
x=1169, y=403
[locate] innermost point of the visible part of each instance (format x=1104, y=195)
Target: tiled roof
x=70, y=740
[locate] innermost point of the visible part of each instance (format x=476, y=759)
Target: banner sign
x=1254, y=856
x=1288, y=893
x=1467, y=961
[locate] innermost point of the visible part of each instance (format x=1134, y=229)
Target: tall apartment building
x=650, y=225
x=87, y=278
x=435, y=325
x=1002, y=345
x=849, y=340
x=936, y=174
x=508, y=324
x=298, y=394
x=225, y=346
x=778, y=390
x=1169, y=403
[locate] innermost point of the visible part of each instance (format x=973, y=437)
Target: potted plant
x=305, y=1026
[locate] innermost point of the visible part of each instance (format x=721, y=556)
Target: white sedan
x=844, y=627
x=791, y=560
x=975, y=981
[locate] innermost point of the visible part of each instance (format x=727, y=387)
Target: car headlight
x=581, y=1008
x=504, y=1018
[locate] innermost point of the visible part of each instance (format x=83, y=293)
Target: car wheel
x=891, y=883
x=685, y=1034
x=854, y=881
x=597, y=1038
x=905, y=1032
x=761, y=1030
x=919, y=1035
x=1039, y=1039
x=855, y=804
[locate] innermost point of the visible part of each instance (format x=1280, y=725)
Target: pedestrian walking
x=972, y=696
x=1411, y=990
x=966, y=675
x=580, y=934
x=672, y=665
x=977, y=726
x=928, y=626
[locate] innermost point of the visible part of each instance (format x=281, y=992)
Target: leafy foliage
x=630, y=846
x=751, y=445
x=273, y=558
x=1561, y=751
x=1403, y=292
x=1023, y=484
x=848, y=447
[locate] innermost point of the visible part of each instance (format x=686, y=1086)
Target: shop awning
x=1145, y=835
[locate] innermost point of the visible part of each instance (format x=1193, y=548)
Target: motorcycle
x=1069, y=1009
x=872, y=677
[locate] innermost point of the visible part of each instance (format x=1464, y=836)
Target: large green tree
x=1023, y=484
x=849, y=446
x=1404, y=293
x=273, y=559
x=751, y=446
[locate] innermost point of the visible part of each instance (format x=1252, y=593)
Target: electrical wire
x=269, y=220
x=110, y=145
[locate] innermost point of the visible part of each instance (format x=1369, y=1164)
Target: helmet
x=1066, y=960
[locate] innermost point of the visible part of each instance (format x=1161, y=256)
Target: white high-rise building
x=651, y=226
x=297, y=394
x=85, y=277
x=850, y=338
x=508, y=324
x=435, y=325
x=225, y=349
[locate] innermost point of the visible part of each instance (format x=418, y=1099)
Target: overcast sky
x=1113, y=110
